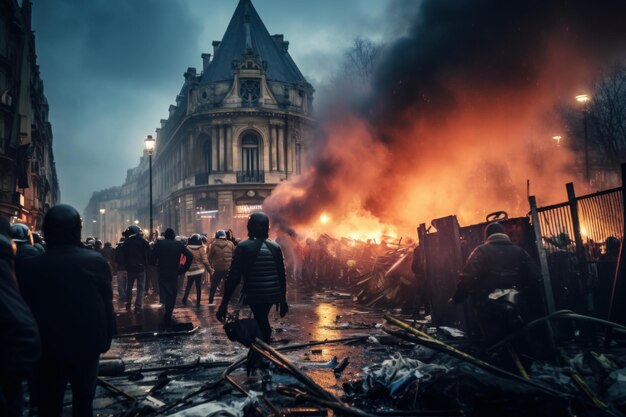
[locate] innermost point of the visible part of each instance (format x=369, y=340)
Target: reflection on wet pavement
x=312, y=317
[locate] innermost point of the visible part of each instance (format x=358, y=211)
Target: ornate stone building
x=28, y=179
x=238, y=128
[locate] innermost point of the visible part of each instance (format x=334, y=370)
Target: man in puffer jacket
x=260, y=262
x=220, y=257
x=199, y=264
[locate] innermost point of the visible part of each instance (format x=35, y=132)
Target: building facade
x=28, y=178
x=237, y=129
x=104, y=216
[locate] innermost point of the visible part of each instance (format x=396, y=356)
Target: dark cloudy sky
x=111, y=68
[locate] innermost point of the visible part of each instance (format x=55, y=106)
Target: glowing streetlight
x=103, y=224
x=557, y=138
x=149, y=143
x=583, y=99
x=136, y=222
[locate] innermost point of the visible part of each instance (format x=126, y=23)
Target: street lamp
x=583, y=99
x=557, y=138
x=103, y=227
x=149, y=142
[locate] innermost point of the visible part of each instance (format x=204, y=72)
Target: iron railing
x=250, y=177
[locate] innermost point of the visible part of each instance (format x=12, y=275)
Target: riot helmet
x=62, y=226
x=195, y=240
x=132, y=230
x=20, y=233
x=258, y=225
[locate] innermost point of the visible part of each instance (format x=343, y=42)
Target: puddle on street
x=312, y=317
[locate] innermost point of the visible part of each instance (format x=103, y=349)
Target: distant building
x=238, y=128
x=104, y=216
x=28, y=179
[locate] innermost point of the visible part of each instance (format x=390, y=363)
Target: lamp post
x=149, y=142
x=583, y=99
x=104, y=225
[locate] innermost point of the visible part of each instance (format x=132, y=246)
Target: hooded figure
x=259, y=261
x=68, y=289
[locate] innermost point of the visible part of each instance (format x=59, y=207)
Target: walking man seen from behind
x=260, y=262
x=220, y=258
x=136, y=250
x=167, y=254
x=500, y=277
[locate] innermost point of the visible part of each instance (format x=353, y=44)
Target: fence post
x=580, y=248
x=617, y=307
x=543, y=258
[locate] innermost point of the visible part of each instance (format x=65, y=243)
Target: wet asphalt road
x=319, y=316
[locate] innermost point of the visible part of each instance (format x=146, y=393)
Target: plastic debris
x=398, y=372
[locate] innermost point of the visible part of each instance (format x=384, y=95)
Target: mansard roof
x=246, y=33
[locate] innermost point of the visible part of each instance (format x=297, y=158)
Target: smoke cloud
x=460, y=114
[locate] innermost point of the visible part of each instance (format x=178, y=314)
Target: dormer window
x=249, y=91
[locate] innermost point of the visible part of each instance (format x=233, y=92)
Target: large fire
x=460, y=124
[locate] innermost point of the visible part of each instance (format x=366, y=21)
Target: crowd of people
x=56, y=297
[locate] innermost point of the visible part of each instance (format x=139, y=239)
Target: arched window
x=250, y=154
x=207, y=153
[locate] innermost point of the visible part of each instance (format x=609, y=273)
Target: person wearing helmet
x=167, y=256
x=199, y=265
x=23, y=238
x=220, y=256
x=20, y=347
x=260, y=262
x=90, y=242
x=68, y=289
x=136, y=251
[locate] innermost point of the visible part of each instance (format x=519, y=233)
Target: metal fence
x=557, y=228
x=601, y=215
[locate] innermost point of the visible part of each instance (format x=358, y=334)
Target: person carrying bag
x=259, y=261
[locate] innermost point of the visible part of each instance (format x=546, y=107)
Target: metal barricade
x=571, y=240
x=601, y=216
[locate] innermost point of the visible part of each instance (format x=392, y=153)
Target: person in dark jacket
x=167, y=256
x=108, y=253
x=20, y=345
x=23, y=239
x=68, y=289
x=136, y=250
x=260, y=262
x=498, y=275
